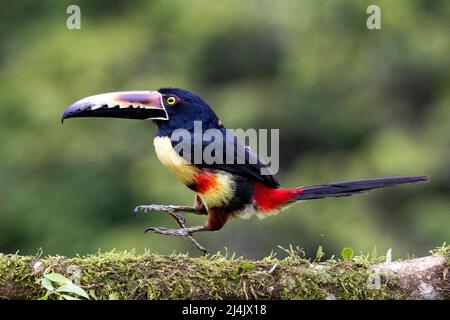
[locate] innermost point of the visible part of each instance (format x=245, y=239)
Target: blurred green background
x=350, y=103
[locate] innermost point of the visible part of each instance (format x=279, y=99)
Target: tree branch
x=150, y=276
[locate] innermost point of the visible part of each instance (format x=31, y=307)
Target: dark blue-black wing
x=224, y=152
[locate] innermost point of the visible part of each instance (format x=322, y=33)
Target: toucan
x=223, y=189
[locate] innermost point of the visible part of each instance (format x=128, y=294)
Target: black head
x=184, y=108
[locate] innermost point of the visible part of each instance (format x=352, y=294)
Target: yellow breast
x=181, y=168
x=213, y=192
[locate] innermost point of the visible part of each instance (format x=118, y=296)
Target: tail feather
x=348, y=188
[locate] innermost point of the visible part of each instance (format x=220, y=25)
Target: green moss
x=124, y=275
x=17, y=274
x=443, y=250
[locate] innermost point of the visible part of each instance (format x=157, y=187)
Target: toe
x=153, y=229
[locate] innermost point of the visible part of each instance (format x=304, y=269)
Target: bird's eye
x=171, y=101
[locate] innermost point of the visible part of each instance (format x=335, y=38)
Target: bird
x=223, y=189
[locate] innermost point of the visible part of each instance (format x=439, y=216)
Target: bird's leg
x=200, y=210
x=188, y=237
x=182, y=232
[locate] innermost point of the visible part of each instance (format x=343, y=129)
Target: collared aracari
x=223, y=190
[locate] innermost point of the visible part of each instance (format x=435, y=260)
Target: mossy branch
x=149, y=276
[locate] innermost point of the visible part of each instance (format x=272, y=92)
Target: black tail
x=348, y=188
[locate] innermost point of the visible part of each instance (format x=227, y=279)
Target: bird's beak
x=126, y=104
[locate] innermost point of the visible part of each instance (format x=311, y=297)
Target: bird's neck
x=166, y=128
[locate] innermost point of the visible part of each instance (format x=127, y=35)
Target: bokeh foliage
x=349, y=102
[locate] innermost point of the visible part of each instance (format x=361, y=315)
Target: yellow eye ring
x=171, y=101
